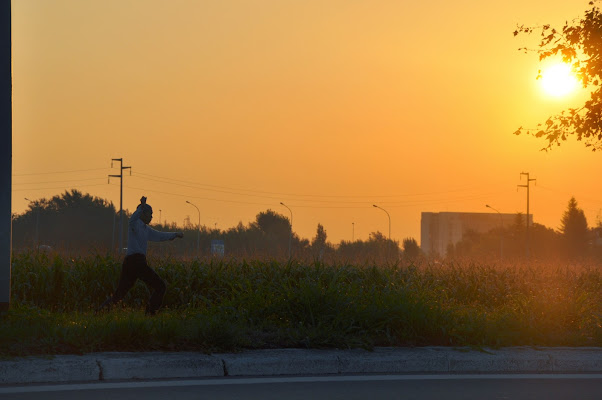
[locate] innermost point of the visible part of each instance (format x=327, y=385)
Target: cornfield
x=230, y=304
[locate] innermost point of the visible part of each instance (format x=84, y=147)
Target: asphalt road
x=424, y=387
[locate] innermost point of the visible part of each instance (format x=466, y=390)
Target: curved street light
x=290, y=238
x=501, y=231
x=198, y=238
x=374, y=205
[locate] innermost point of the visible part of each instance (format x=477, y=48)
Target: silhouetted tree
x=377, y=249
x=580, y=46
x=70, y=221
x=574, y=229
x=318, y=243
x=544, y=242
x=273, y=231
x=411, y=250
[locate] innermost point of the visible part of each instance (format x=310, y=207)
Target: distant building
x=439, y=230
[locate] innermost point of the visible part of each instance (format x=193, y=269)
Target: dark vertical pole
x=120, y=176
x=529, y=180
x=527, y=230
x=121, y=208
x=6, y=153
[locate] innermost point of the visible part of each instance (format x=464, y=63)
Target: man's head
x=147, y=213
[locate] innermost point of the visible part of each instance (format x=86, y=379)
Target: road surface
x=373, y=387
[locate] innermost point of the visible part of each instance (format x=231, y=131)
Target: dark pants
x=135, y=267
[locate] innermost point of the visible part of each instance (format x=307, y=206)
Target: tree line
x=574, y=239
x=77, y=223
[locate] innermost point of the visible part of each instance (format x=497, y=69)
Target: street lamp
x=501, y=231
x=290, y=238
x=36, y=237
x=352, y=231
x=198, y=238
x=374, y=205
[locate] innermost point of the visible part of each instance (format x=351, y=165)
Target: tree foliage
x=411, y=250
x=71, y=220
x=579, y=43
x=77, y=223
x=318, y=243
x=574, y=229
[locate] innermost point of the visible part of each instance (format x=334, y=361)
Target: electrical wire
x=57, y=187
x=196, y=197
x=61, y=172
x=289, y=196
x=45, y=182
x=318, y=201
x=339, y=205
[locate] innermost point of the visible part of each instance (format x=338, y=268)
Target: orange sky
x=328, y=106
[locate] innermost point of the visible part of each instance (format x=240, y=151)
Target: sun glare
x=557, y=80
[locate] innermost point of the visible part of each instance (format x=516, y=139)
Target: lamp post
x=36, y=237
x=374, y=205
x=352, y=231
x=290, y=238
x=501, y=231
x=198, y=237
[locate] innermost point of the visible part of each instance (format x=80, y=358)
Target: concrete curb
x=160, y=365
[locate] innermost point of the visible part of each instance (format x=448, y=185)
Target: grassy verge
x=227, y=306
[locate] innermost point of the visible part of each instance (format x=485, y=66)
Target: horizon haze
x=329, y=107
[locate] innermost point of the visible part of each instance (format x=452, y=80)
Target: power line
x=322, y=203
x=198, y=197
x=368, y=196
x=56, y=187
x=570, y=194
x=45, y=182
x=338, y=206
x=283, y=196
x=61, y=172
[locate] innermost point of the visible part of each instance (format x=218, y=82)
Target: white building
x=439, y=230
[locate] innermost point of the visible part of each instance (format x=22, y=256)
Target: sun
x=557, y=80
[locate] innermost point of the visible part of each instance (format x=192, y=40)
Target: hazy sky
x=329, y=106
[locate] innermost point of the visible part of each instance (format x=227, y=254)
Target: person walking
x=134, y=264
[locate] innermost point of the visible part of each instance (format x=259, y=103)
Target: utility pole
x=120, y=176
x=6, y=153
x=526, y=186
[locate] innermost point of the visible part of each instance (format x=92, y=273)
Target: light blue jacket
x=139, y=234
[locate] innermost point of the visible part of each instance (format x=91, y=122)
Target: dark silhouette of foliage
x=318, y=244
x=411, y=250
x=580, y=45
x=574, y=229
x=70, y=221
x=377, y=249
x=76, y=223
x=544, y=242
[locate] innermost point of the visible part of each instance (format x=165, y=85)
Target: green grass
x=230, y=305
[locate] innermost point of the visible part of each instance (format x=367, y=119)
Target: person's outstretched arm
x=158, y=236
